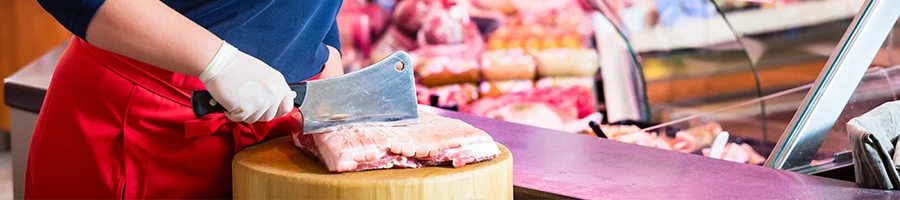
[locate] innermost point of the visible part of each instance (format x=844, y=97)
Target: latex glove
x=249, y=89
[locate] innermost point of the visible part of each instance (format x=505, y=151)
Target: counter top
x=584, y=167
x=578, y=166
x=25, y=89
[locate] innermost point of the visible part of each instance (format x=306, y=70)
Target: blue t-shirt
x=289, y=35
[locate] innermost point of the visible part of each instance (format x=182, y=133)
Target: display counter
x=584, y=167
x=548, y=163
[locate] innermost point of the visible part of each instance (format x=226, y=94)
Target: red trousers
x=112, y=127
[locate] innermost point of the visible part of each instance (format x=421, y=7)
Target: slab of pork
x=435, y=140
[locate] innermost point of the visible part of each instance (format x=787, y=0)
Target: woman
x=116, y=121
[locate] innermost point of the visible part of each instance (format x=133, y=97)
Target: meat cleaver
x=383, y=93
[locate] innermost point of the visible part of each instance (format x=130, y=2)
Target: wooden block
x=278, y=170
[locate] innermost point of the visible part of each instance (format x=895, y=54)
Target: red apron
x=112, y=127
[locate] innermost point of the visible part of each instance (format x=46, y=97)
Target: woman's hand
x=249, y=89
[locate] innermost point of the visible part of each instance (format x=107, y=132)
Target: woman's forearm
x=334, y=66
x=151, y=32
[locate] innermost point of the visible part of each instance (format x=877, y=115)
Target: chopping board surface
x=278, y=169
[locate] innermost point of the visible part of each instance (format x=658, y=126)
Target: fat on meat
x=435, y=140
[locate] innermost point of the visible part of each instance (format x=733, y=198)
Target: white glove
x=249, y=89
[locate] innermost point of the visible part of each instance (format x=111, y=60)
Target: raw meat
x=534, y=114
x=613, y=131
x=439, y=71
x=548, y=82
x=448, y=95
x=441, y=28
x=498, y=65
x=568, y=62
x=571, y=103
x=497, y=88
x=435, y=140
x=392, y=41
x=742, y=153
x=408, y=15
x=693, y=139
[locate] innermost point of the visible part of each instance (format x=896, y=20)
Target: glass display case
x=817, y=131
x=710, y=54
x=802, y=76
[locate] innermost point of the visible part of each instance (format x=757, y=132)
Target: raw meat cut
x=548, y=82
x=499, y=65
x=408, y=15
x=742, y=153
x=448, y=95
x=392, y=41
x=441, y=28
x=439, y=71
x=568, y=62
x=534, y=114
x=497, y=88
x=571, y=103
x=693, y=139
x=435, y=140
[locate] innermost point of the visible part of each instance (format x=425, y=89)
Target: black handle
x=596, y=127
x=203, y=103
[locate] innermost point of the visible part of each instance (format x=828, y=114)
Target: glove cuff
x=219, y=62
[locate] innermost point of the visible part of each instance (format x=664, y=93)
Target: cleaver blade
x=383, y=93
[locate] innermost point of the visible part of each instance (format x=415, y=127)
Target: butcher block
x=277, y=169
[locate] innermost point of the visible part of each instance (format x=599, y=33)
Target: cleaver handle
x=202, y=101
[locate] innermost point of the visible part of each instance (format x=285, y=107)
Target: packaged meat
x=534, y=114
x=439, y=71
x=497, y=88
x=448, y=95
x=507, y=64
x=549, y=82
x=434, y=141
x=568, y=62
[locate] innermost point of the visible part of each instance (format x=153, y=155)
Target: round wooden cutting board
x=277, y=169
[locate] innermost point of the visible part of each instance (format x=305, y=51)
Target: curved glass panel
x=813, y=147
x=745, y=67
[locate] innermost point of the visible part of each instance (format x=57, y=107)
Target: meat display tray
x=578, y=166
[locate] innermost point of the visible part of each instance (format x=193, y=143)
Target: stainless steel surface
x=36, y=76
x=22, y=125
x=384, y=92
x=586, y=167
x=835, y=85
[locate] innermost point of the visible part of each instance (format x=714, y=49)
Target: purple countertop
x=585, y=167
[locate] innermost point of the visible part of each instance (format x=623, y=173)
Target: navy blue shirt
x=289, y=35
